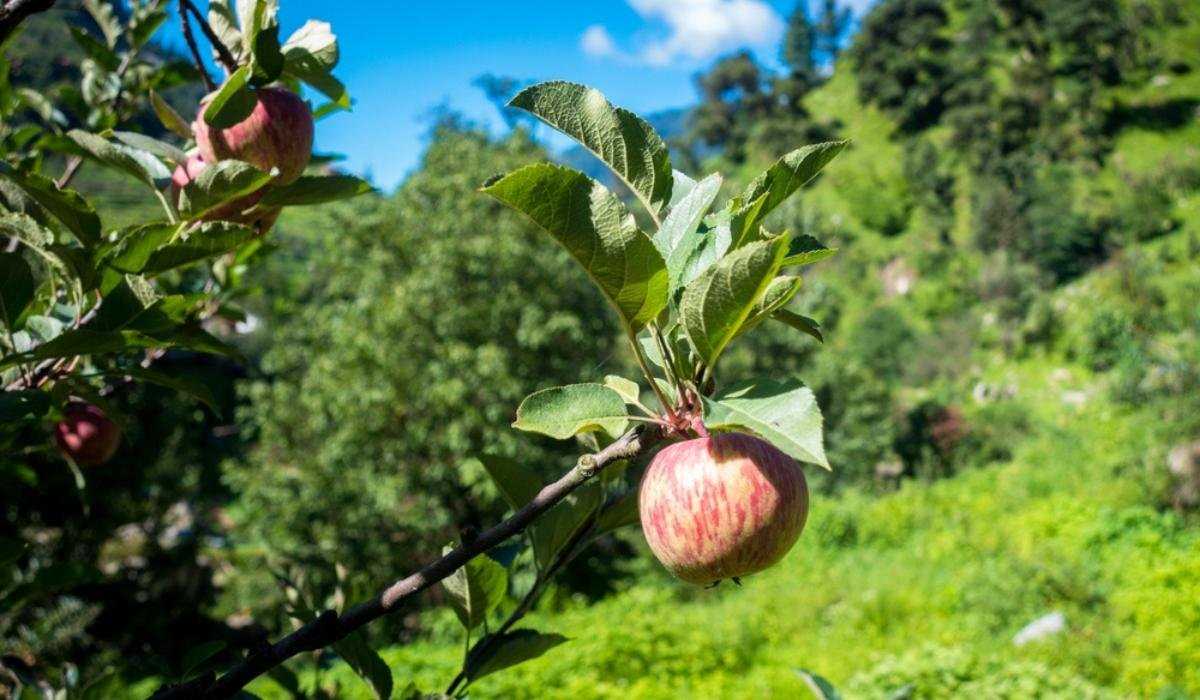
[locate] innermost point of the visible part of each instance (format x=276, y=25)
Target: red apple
x=238, y=211
x=86, y=435
x=721, y=507
x=277, y=134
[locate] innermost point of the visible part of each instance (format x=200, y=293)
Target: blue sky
x=400, y=59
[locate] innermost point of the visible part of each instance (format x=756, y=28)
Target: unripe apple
x=277, y=134
x=722, y=507
x=237, y=211
x=86, y=435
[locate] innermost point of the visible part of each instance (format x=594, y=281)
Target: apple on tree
x=277, y=134
x=86, y=435
x=721, y=507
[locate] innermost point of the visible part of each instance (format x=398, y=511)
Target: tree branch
x=190, y=40
x=219, y=46
x=329, y=627
x=13, y=12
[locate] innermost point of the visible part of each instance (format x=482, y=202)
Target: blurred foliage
x=1012, y=346
x=402, y=334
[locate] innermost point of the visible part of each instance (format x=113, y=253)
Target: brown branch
x=13, y=12
x=329, y=627
x=223, y=53
x=190, y=40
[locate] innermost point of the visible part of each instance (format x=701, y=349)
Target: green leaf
x=184, y=384
x=629, y=390
x=145, y=21
x=821, y=688
x=620, y=138
x=16, y=288
x=21, y=405
x=66, y=206
x=224, y=24
x=233, y=102
x=564, y=411
x=355, y=651
x=716, y=304
x=516, y=482
x=162, y=332
x=780, y=181
x=106, y=19
x=682, y=185
x=196, y=657
x=806, y=250
x=156, y=248
x=209, y=239
x=596, y=229
x=303, y=65
x=696, y=253
x=162, y=149
x=622, y=512
x=803, y=324
x=476, y=589
x=316, y=189
x=97, y=51
x=685, y=217
x=218, y=185
x=779, y=292
x=45, y=109
x=260, y=38
x=508, y=650
x=132, y=161
x=783, y=413
x=169, y=117
x=317, y=39
x=555, y=528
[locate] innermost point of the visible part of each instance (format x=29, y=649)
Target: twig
x=13, y=12
x=69, y=171
x=190, y=39
x=222, y=50
x=570, y=550
x=329, y=627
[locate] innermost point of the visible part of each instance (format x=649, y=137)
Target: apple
x=238, y=211
x=86, y=435
x=277, y=134
x=722, y=507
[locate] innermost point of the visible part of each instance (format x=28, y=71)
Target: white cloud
x=701, y=29
x=596, y=41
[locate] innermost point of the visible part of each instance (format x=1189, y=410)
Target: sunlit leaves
x=218, y=185
x=593, y=225
x=715, y=305
x=686, y=215
x=564, y=411
x=65, y=206
x=316, y=189
x=783, y=413
x=777, y=183
x=620, y=138
x=508, y=650
x=132, y=161
x=806, y=250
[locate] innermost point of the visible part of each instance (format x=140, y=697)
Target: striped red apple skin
x=277, y=134
x=718, y=507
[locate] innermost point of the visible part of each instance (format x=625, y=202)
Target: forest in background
x=1011, y=353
